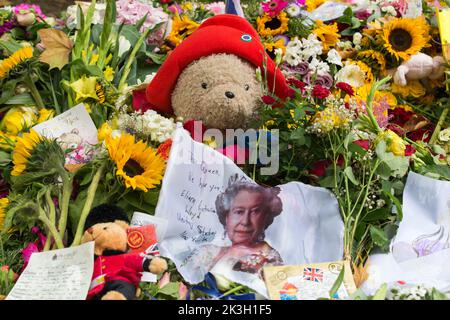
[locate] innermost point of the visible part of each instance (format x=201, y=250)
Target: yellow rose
x=104, y=131
x=45, y=114
x=17, y=119
x=394, y=143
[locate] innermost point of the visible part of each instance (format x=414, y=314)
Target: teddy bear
x=117, y=273
x=211, y=76
x=419, y=66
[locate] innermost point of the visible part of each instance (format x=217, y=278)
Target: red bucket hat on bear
x=225, y=33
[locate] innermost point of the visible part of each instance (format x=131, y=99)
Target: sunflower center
x=182, y=31
x=132, y=168
x=400, y=39
x=273, y=24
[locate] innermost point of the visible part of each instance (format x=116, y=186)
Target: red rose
x=196, y=129
x=320, y=92
x=320, y=167
x=297, y=83
x=140, y=101
x=345, y=87
x=365, y=144
x=268, y=100
x=410, y=150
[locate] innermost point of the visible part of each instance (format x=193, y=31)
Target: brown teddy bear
x=117, y=273
x=211, y=76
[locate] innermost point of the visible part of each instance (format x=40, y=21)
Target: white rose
x=444, y=135
x=351, y=74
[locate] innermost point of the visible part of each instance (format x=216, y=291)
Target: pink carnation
x=274, y=7
x=216, y=7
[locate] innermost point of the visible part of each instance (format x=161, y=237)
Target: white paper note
x=142, y=219
x=56, y=275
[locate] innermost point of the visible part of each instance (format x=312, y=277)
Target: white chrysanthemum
x=318, y=66
x=357, y=37
x=293, y=10
x=312, y=47
x=149, y=125
x=444, y=135
x=334, y=57
x=292, y=58
x=351, y=74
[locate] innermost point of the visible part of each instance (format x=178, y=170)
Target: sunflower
x=311, y=5
x=22, y=152
x=373, y=58
x=137, y=164
x=14, y=60
x=271, y=26
x=413, y=89
x=404, y=37
x=271, y=46
x=182, y=27
x=3, y=205
x=327, y=33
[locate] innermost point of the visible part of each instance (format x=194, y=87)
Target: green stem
x=233, y=291
x=34, y=92
x=52, y=218
x=87, y=205
x=131, y=59
x=355, y=224
x=64, y=206
x=437, y=130
x=370, y=98
x=51, y=227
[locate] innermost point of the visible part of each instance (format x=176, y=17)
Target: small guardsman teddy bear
x=117, y=273
x=211, y=76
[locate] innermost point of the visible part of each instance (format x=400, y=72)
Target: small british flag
x=313, y=274
x=152, y=250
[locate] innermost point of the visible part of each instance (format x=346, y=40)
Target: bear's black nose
x=229, y=94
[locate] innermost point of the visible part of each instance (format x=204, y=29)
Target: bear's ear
x=122, y=224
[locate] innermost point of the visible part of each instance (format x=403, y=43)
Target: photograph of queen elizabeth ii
x=245, y=210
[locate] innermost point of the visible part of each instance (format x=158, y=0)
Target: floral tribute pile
x=353, y=122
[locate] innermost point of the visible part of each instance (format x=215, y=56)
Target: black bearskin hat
x=105, y=213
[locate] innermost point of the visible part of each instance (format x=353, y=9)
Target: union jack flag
x=313, y=274
x=152, y=250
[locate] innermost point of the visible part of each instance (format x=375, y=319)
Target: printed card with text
x=308, y=281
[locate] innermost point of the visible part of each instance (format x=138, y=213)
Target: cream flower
x=351, y=74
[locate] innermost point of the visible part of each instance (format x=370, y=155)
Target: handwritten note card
x=56, y=275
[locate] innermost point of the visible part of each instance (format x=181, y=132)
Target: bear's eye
x=204, y=85
x=246, y=87
x=104, y=228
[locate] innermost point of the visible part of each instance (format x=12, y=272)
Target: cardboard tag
x=142, y=238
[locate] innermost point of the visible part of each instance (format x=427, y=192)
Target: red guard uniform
x=124, y=267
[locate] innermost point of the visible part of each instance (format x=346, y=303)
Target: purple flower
x=301, y=69
x=325, y=80
x=6, y=27
x=25, y=8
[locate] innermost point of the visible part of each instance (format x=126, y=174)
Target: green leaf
x=337, y=284
x=327, y=182
x=378, y=236
x=170, y=289
x=23, y=98
x=397, y=204
x=349, y=173
x=381, y=292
